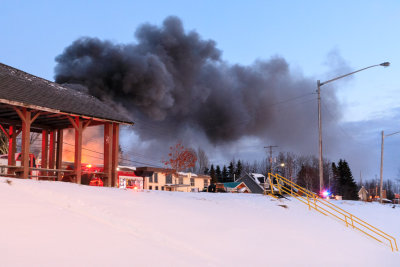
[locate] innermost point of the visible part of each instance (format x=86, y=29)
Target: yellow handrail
x=328, y=208
x=327, y=203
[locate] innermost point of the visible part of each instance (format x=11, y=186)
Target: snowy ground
x=62, y=224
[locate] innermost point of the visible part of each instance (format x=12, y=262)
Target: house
x=169, y=180
x=254, y=182
x=236, y=187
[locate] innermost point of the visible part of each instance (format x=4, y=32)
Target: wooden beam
x=108, y=141
x=60, y=137
x=45, y=150
x=21, y=114
x=26, y=132
x=52, y=149
x=115, y=154
x=78, y=150
x=19, y=123
x=73, y=122
x=35, y=116
x=12, y=147
x=87, y=124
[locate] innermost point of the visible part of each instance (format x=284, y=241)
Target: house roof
x=251, y=184
x=22, y=89
x=232, y=184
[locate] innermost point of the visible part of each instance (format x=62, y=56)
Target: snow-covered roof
x=187, y=174
x=257, y=175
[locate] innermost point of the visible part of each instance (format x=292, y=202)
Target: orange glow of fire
x=92, y=146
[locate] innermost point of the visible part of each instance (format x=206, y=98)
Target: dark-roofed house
x=251, y=182
x=31, y=104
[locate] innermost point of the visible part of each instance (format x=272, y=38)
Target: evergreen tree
x=206, y=171
x=212, y=174
x=231, y=171
x=218, y=174
x=335, y=183
x=238, y=170
x=347, y=185
x=224, y=174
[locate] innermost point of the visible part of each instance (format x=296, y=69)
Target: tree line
x=303, y=170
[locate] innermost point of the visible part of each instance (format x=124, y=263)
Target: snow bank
x=61, y=224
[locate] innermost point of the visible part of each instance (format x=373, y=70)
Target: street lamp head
x=385, y=64
x=282, y=164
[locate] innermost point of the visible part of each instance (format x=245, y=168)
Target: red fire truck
x=92, y=174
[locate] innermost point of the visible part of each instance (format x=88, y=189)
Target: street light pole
x=319, y=84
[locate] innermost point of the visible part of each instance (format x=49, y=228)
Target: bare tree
x=202, y=160
x=181, y=158
x=3, y=143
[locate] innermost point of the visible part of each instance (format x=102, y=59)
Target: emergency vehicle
x=93, y=175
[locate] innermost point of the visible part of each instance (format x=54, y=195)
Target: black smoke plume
x=173, y=81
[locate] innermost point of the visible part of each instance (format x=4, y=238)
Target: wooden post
x=25, y=142
x=45, y=150
x=115, y=154
x=79, y=127
x=60, y=137
x=52, y=149
x=12, y=146
x=78, y=150
x=108, y=144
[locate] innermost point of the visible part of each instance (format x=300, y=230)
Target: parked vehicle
x=93, y=175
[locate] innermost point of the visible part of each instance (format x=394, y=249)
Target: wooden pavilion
x=31, y=104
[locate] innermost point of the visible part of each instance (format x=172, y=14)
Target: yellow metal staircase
x=279, y=185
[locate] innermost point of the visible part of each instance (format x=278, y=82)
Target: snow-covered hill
x=62, y=224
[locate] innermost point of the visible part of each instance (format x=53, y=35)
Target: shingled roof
x=23, y=89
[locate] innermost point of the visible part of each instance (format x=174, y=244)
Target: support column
x=78, y=150
x=27, y=120
x=12, y=146
x=60, y=137
x=45, y=150
x=108, y=144
x=79, y=127
x=115, y=154
x=52, y=149
x=25, y=142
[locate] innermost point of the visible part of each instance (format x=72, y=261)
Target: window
x=205, y=182
x=156, y=177
x=156, y=187
x=151, y=179
x=191, y=181
x=168, y=179
x=162, y=188
x=150, y=187
x=180, y=180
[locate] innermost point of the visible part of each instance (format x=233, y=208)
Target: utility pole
x=321, y=171
x=270, y=166
x=382, y=145
x=270, y=157
x=381, y=185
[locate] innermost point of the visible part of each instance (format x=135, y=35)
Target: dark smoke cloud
x=173, y=81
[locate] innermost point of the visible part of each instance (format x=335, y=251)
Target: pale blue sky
x=363, y=33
